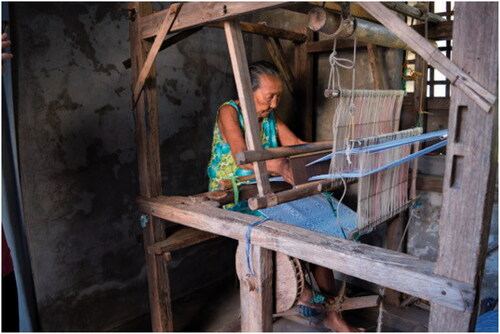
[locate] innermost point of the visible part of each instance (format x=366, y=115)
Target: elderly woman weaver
x=229, y=139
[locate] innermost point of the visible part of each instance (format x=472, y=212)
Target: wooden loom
x=450, y=284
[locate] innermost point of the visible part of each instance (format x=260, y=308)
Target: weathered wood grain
x=266, y=31
x=411, y=11
x=148, y=158
x=281, y=152
x=484, y=98
x=471, y=162
x=182, y=238
x=199, y=13
x=256, y=293
x=165, y=27
x=244, y=87
x=395, y=270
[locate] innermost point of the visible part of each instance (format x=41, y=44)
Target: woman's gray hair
x=261, y=67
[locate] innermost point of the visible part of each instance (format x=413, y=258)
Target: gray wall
x=78, y=158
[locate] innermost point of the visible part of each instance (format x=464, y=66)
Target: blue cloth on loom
x=315, y=213
x=488, y=322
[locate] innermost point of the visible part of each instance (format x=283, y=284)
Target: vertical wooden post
x=243, y=85
x=148, y=157
x=471, y=164
x=304, y=90
x=256, y=292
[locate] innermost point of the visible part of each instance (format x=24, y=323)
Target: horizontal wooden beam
x=195, y=14
x=411, y=11
x=180, y=239
x=394, y=270
x=245, y=157
x=260, y=29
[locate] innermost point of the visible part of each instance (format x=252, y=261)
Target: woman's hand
x=281, y=167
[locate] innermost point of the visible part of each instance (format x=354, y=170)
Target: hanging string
x=249, y=244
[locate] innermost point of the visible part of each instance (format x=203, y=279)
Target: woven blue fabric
x=488, y=322
x=315, y=213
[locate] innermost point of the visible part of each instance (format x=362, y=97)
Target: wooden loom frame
x=451, y=284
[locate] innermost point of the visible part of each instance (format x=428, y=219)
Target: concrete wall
x=78, y=157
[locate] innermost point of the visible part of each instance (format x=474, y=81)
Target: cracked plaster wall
x=78, y=158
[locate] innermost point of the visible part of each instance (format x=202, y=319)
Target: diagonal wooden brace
x=166, y=25
x=432, y=55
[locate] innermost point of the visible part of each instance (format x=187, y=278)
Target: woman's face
x=267, y=96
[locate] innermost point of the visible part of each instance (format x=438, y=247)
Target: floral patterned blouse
x=222, y=164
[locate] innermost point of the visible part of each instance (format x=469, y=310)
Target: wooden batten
x=281, y=152
x=395, y=270
x=298, y=192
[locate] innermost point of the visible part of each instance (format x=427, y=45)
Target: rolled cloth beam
x=366, y=31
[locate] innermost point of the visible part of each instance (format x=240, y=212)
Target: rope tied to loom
x=249, y=244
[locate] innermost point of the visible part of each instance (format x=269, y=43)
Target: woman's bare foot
x=334, y=321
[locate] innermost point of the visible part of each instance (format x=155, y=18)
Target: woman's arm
x=286, y=136
x=229, y=127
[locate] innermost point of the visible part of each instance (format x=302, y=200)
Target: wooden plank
x=430, y=183
x=180, y=239
x=199, y=13
x=355, y=303
x=484, y=98
x=165, y=27
x=266, y=31
x=148, y=158
x=471, y=163
x=304, y=89
x=169, y=42
x=243, y=85
x=256, y=293
x=395, y=270
x=395, y=229
x=442, y=30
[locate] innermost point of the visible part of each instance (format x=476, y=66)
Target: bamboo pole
x=365, y=31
